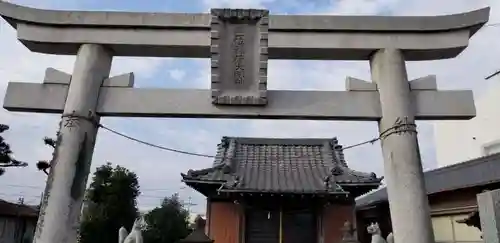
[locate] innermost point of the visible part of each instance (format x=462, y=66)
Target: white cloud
x=177, y=74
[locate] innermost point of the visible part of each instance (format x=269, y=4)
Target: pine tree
x=167, y=223
x=6, y=159
x=111, y=202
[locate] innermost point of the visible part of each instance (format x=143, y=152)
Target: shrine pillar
x=58, y=221
x=408, y=202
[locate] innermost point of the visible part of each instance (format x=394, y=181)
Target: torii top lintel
x=290, y=36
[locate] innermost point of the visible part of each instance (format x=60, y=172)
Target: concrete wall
x=457, y=141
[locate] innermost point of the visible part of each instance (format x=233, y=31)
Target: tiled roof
x=280, y=165
x=476, y=172
x=13, y=209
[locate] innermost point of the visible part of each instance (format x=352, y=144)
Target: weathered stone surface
x=472, y=19
x=239, y=42
x=410, y=213
x=489, y=213
x=356, y=84
x=282, y=104
x=54, y=76
x=122, y=80
x=290, y=36
x=61, y=207
x=423, y=83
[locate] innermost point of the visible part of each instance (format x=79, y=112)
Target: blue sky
x=158, y=170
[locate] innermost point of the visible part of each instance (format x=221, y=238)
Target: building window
x=447, y=230
x=491, y=148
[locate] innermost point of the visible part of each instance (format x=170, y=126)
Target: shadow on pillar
x=198, y=235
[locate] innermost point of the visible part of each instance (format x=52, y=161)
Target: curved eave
x=198, y=181
x=360, y=184
x=190, y=180
x=472, y=20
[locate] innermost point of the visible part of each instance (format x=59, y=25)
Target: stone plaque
x=239, y=40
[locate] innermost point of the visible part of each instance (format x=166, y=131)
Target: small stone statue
x=390, y=238
x=135, y=235
x=348, y=233
x=374, y=230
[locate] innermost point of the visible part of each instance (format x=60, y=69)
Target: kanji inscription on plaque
x=239, y=41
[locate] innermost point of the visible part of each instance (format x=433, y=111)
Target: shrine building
x=269, y=190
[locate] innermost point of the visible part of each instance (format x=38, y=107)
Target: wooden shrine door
x=299, y=226
x=280, y=226
x=262, y=226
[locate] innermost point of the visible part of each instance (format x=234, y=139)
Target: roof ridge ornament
x=337, y=170
x=338, y=152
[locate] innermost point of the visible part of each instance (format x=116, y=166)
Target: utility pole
x=189, y=202
x=18, y=233
x=493, y=75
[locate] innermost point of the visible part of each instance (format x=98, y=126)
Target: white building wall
x=458, y=141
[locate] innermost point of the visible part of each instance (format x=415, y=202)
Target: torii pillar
x=408, y=201
x=239, y=43
x=59, y=220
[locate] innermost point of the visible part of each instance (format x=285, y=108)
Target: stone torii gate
x=239, y=43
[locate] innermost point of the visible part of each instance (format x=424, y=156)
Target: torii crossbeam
x=239, y=43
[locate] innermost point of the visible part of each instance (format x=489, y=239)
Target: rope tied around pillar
x=72, y=119
x=401, y=126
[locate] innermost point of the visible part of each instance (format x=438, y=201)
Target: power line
x=492, y=25
x=401, y=127
x=19, y=194
x=188, y=201
x=155, y=145
x=35, y=199
x=142, y=189
x=192, y=153
x=493, y=75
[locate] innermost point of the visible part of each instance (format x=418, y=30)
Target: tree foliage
x=6, y=159
x=44, y=165
x=168, y=223
x=111, y=202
